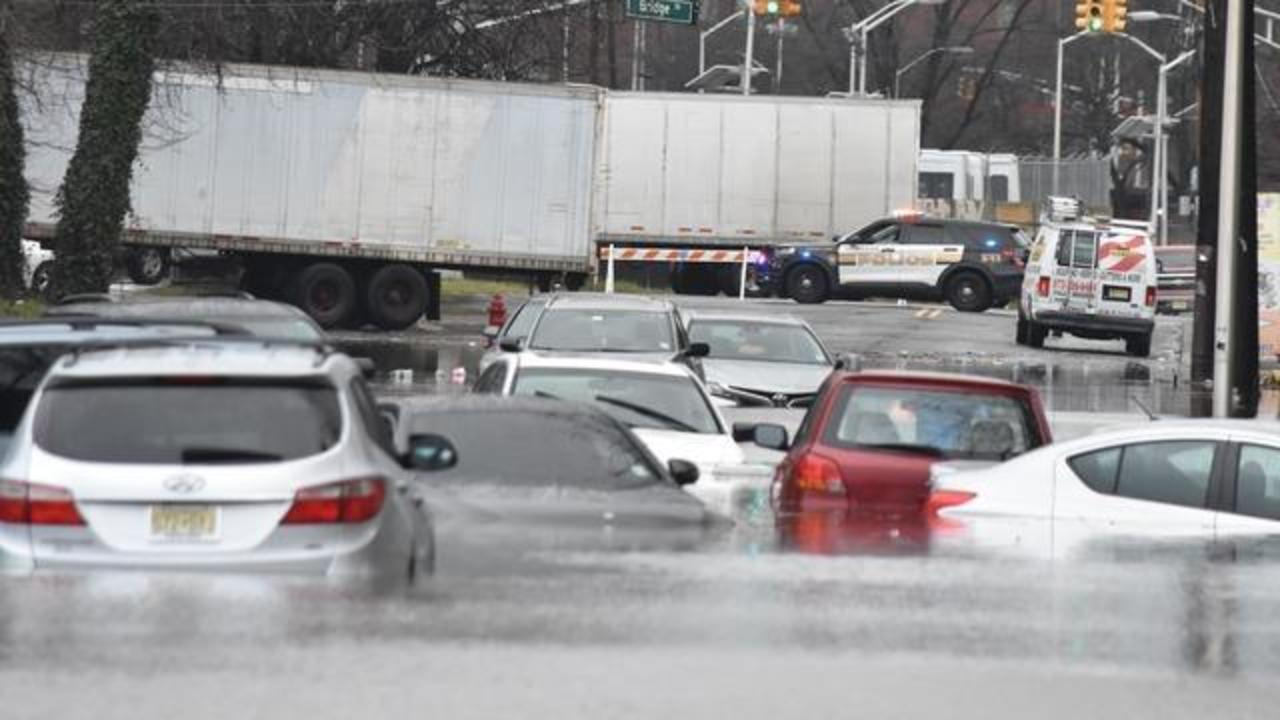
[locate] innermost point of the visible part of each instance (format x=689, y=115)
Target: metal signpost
x=682, y=12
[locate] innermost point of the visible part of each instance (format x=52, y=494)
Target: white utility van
x=1091, y=278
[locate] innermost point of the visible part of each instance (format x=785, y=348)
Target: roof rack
x=323, y=349
x=88, y=322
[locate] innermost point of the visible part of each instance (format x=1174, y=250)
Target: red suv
x=870, y=438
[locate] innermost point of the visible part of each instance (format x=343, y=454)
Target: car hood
x=706, y=450
x=773, y=377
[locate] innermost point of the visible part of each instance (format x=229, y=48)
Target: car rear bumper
x=1094, y=325
x=384, y=550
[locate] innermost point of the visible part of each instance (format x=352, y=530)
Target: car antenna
x=1150, y=415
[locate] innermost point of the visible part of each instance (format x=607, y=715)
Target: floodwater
x=813, y=617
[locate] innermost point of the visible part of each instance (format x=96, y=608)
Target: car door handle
x=883, y=250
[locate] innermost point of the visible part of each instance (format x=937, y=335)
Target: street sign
x=683, y=12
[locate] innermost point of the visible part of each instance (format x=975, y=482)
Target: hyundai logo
x=185, y=484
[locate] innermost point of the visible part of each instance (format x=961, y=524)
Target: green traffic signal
x=772, y=7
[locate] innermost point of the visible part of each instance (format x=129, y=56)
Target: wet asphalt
x=813, y=620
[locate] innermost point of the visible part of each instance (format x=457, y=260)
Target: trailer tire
x=808, y=284
x=573, y=282
x=326, y=292
x=40, y=278
x=147, y=265
x=1022, y=331
x=396, y=296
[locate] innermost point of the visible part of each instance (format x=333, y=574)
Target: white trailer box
x=714, y=169
x=314, y=162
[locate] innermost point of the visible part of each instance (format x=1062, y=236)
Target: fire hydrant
x=497, y=312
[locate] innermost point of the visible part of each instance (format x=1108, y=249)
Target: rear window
x=198, y=421
x=966, y=424
x=604, y=331
x=554, y=448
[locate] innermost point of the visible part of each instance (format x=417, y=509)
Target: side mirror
x=849, y=362
x=683, y=472
x=390, y=413
x=511, y=344
x=697, y=350
x=491, y=331
x=769, y=436
x=367, y=367
x=430, y=453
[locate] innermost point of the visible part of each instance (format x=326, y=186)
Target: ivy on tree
x=13, y=186
x=94, y=198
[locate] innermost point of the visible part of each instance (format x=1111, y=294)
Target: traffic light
x=791, y=8
x=766, y=8
x=1089, y=16
x=1115, y=15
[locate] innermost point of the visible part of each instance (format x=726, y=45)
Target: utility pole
x=748, y=58
x=1225, y=341
x=777, y=73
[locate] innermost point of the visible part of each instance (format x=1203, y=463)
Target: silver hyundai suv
x=209, y=454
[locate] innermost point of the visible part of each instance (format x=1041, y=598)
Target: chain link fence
x=1088, y=179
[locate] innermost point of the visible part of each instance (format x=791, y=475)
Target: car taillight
x=814, y=473
x=1042, y=287
x=942, y=499
x=349, y=501
x=32, y=504
x=1151, y=296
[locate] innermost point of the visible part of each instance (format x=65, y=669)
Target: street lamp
x=950, y=50
x=857, y=34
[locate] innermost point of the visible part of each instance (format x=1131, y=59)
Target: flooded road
x=536, y=623
x=813, y=618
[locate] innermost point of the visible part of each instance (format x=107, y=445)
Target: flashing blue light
x=991, y=242
x=804, y=253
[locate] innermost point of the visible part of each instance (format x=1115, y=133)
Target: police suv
x=972, y=265
x=1092, y=278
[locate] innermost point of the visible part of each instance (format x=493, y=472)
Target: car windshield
x=551, y=448
x=604, y=330
x=770, y=342
x=956, y=424
x=188, y=421
x=647, y=400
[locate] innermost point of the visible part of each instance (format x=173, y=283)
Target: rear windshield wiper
x=214, y=455
x=904, y=447
x=648, y=412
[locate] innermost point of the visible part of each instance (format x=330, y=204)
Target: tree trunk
x=94, y=197
x=13, y=186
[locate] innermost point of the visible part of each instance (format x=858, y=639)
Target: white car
x=1170, y=479
x=209, y=455
x=664, y=404
x=36, y=265
x=756, y=360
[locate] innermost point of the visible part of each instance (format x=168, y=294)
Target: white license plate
x=184, y=522
x=1179, y=304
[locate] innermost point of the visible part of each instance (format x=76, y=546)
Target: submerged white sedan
x=1163, y=479
x=664, y=404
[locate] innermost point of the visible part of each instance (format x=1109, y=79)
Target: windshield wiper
x=547, y=395
x=648, y=412
x=904, y=447
x=226, y=455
